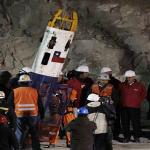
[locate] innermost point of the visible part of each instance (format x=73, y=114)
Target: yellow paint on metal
x=64, y=21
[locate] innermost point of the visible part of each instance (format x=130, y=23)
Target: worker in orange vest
x=25, y=102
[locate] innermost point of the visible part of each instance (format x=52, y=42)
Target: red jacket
x=76, y=85
x=132, y=95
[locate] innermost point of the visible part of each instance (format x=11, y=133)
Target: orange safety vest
x=73, y=95
x=26, y=101
x=107, y=91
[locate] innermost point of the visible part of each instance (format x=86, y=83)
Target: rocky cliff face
x=114, y=33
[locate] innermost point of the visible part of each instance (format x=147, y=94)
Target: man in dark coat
x=82, y=131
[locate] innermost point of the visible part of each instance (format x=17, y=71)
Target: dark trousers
x=131, y=115
x=117, y=123
x=31, y=123
x=102, y=142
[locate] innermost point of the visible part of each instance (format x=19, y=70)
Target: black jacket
x=81, y=133
x=7, y=138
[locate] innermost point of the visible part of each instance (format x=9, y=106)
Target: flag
x=56, y=57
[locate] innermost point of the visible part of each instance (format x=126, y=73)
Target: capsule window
x=52, y=42
x=45, y=59
x=67, y=45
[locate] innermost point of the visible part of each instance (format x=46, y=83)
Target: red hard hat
x=3, y=120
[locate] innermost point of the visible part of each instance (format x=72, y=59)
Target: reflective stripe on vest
x=25, y=100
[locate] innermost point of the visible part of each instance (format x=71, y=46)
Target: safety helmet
x=24, y=78
x=25, y=70
x=94, y=104
x=93, y=97
x=2, y=95
x=129, y=73
x=104, y=76
x=82, y=68
x=106, y=69
x=3, y=120
x=83, y=111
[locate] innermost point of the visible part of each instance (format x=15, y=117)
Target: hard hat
x=104, y=77
x=129, y=73
x=83, y=111
x=82, y=68
x=24, y=78
x=3, y=120
x=2, y=95
x=105, y=70
x=93, y=97
x=94, y=104
x=25, y=70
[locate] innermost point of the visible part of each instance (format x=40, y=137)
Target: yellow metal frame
x=60, y=16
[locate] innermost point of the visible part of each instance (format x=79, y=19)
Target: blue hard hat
x=83, y=111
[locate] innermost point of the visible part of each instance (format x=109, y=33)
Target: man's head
x=5, y=77
x=83, y=70
x=103, y=78
x=130, y=76
x=3, y=120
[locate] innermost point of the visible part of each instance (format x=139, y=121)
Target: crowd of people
x=96, y=112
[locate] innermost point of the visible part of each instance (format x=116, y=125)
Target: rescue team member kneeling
x=7, y=136
x=25, y=101
x=81, y=130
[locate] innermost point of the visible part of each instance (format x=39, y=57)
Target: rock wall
x=114, y=33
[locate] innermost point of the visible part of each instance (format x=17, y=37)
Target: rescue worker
x=116, y=83
x=132, y=95
x=107, y=94
x=86, y=81
x=57, y=109
x=25, y=102
x=81, y=130
x=73, y=102
x=76, y=85
x=7, y=136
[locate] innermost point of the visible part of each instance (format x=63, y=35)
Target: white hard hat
x=24, y=78
x=93, y=97
x=104, y=76
x=129, y=73
x=82, y=68
x=2, y=95
x=94, y=104
x=25, y=70
x=105, y=70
